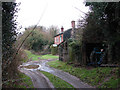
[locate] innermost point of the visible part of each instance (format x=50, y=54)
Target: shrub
x=54, y=50
x=9, y=27
x=75, y=51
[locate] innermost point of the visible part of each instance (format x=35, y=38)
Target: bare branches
x=29, y=33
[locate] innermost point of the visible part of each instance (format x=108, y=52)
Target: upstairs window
x=60, y=38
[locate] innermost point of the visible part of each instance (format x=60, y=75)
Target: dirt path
x=39, y=81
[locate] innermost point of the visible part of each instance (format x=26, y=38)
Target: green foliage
x=105, y=18
x=54, y=50
x=94, y=76
x=39, y=39
x=92, y=34
x=70, y=40
x=71, y=54
x=32, y=56
x=79, y=35
x=24, y=82
x=9, y=27
x=57, y=82
x=49, y=56
x=104, y=14
x=111, y=83
x=36, y=41
x=98, y=17
x=59, y=65
x=75, y=51
x=98, y=8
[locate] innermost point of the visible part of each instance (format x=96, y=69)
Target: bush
x=9, y=27
x=54, y=50
x=39, y=38
x=75, y=51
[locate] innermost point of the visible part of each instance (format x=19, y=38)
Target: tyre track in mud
x=74, y=81
x=40, y=81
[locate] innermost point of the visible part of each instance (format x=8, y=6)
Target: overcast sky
x=52, y=12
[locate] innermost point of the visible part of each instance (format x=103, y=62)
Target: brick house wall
x=58, y=39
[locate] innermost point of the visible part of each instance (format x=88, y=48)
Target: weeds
x=23, y=82
x=95, y=76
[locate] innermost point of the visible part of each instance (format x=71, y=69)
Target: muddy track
x=40, y=81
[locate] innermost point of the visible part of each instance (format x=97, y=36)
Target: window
x=57, y=39
x=60, y=38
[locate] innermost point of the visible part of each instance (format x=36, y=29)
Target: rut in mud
x=40, y=81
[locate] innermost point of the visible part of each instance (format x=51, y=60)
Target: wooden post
x=73, y=29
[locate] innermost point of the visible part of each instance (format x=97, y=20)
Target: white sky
x=52, y=12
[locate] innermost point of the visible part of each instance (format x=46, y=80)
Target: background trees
x=101, y=25
x=40, y=39
x=107, y=16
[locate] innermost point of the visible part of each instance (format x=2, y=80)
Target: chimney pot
x=62, y=29
x=73, y=24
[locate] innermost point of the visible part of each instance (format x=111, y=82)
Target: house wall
x=57, y=39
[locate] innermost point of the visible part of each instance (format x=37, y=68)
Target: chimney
x=73, y=24
x=73, y=29
x=62, y=29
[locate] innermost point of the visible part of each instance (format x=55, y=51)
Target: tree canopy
x=39, y=38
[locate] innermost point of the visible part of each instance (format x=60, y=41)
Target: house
x=59, y=37
x=61, y=41
x=66, y=53
x=64, y=35
x=70, y=33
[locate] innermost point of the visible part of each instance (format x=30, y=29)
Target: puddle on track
x=31, y=66
x=39, y=65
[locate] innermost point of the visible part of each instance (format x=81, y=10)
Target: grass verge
x=32, y=56
x=22, y=81
x=100, y=77
x=49, y=56
x=37, y=57
x=57, y=82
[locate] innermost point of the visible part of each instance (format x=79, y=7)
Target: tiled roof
x=58, y=34
x=67, y=34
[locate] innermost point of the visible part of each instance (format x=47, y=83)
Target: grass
x=22, y=82
x=57, y=82
x=25, y=83
x=48, y=56
x=37, y=57
x=32, y=56
x=111, y=83
x=94, y=76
